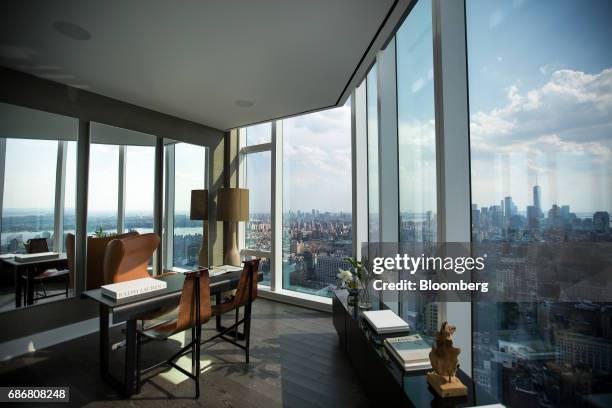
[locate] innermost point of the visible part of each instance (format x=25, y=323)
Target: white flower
x=345, y=276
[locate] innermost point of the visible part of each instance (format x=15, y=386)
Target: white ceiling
x=195, y=59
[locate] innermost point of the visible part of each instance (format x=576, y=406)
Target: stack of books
x=40, y=256
x=131, y=288
x=385, y=322
x=411, y=352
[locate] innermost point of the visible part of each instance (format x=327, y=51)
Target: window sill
x=319, y=303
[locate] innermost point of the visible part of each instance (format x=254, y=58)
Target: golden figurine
x=444, y=360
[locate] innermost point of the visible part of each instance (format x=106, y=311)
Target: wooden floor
x=295, y=362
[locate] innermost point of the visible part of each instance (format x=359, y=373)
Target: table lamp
x=199, y=211
x=233, y=207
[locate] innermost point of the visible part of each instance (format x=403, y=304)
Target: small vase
x=364, y=296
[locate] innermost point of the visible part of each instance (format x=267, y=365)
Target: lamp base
x=232, y=256
x=203, y=253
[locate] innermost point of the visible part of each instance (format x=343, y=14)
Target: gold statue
x=444, y=360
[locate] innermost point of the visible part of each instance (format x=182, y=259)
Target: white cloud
x=560, y=131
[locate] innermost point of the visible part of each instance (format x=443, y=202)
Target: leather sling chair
x=193, y=311
x=36, y=246
x=246, y=292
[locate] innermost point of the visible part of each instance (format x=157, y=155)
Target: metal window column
x=168, y=255
x=2, y=170
x=453, y=149
x=276, y=262
x=121, y=191
x=82, y=182
x=158, y=203
x=60, y=189
x=359, y=167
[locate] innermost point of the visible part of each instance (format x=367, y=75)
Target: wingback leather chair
x=96, y=249
x=127, y=258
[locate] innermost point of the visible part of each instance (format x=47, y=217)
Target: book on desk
x=131, y=288
x=411, y=352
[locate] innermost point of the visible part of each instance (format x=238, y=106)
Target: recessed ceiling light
x=244, y=104
x=71, y=30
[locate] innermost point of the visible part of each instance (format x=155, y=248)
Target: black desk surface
x=414, y=384
x=127, y=308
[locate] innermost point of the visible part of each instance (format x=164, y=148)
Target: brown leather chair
x=127, y=258
x=246, y=293
x=193, y=310
x=36, y=246
x=96, y=249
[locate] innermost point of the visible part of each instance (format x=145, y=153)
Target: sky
x=316, y=163
x=540, y=82
x=540, y=100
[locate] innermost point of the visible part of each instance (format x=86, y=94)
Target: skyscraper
x=537, y=199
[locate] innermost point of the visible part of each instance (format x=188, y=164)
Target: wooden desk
x=28, y=268
x=129, y=310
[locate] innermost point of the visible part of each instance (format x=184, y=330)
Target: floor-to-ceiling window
x=416, y=126
x=189, y=174
x=255, y=175
x=541, y=165
x=372, y=146
x=103, y=194
x=139, y=186
x=317, y=222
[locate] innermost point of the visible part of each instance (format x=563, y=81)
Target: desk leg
x=30, y=286
x=18, y=288
x=218, y=317
x=130, y=356
x=104, y=339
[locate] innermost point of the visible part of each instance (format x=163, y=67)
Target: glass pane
x=258, y=134
x=189, y=164
x=258, y=232
x=416, y=119
x=102, y=202
x=372, y=124
x=541, y=176
x=264, y=267
x=317, y=194
x=139, y=186
x=29, y=193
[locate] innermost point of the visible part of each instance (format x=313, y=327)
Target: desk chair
x=36, y=246
x=194, y=310
x=246, y=292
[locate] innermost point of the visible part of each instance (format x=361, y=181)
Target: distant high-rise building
x=601, y=222
x=508, y=209
x=537, y=199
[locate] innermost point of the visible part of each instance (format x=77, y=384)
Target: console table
x=383, y=378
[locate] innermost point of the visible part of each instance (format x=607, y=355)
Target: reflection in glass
x=540, y=128
x=317, y=222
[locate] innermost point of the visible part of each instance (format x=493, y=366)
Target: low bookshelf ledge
x=384, y=379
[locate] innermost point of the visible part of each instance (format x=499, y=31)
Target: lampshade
x=233, y=204
x=199, y=205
